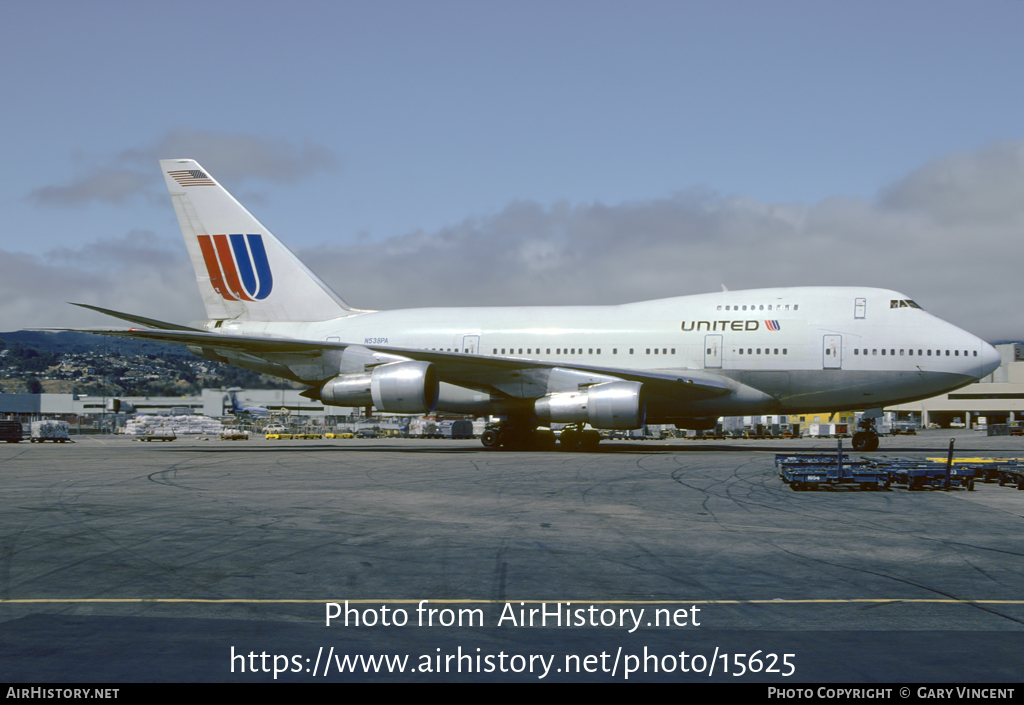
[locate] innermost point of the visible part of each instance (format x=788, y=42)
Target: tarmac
x=682, y=561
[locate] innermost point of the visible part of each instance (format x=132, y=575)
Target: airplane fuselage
x=804, y=348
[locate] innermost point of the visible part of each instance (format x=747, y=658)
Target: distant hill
x=70, y=342
x=32, y=361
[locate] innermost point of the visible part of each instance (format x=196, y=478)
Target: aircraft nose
x=990, y=359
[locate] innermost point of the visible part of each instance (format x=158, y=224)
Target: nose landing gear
x=866, y=439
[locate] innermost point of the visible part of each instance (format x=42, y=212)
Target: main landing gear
x=521, y=436
x=517, y=436
x=576, y=438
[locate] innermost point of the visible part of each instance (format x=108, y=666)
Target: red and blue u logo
x=238, y=266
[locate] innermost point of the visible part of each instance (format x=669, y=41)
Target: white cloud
x=135, y=273
x=232, y=156
x=104, y=184
x=236, y=156
x=966, y=187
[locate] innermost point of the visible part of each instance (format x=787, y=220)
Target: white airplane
x=685, y=360
x=239, y=409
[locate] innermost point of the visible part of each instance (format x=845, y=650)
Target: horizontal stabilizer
x=132, y=318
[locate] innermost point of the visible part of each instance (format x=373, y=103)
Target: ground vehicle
x=49, y=430
x=10, y=431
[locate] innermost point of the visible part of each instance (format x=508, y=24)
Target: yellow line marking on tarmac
x=776, y=601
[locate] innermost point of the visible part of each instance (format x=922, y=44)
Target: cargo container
x=455, y=430
x=49, y=430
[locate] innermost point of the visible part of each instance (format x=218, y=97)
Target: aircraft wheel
x=489, y=438
x=589, y=440
x=865, y=441
x=543, y=439
x=569, y=440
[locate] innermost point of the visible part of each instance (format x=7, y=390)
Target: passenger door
x=832, y=352
x=713, y=351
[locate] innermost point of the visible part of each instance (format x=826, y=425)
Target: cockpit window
x=903, y=303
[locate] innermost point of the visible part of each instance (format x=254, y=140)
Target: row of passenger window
x=579, y=351
x=761, y=307
x=920, y=353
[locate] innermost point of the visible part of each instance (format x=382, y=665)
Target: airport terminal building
x=212, y=402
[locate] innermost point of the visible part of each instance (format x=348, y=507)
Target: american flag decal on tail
x=191, y=177
x=772, y=325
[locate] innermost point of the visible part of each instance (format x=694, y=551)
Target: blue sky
x=396, y=145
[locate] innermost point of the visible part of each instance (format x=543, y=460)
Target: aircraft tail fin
x=243, y=271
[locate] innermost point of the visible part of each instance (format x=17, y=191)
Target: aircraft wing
x=528, y=378
x=315, y=361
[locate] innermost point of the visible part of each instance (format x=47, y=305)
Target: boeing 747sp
x=685, y=360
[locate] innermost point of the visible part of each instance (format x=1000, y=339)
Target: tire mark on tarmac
x=905, y=581
x=873, y=521
x=66, y=503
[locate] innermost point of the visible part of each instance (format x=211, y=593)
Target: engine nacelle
x=397, y=387
x=612, y=405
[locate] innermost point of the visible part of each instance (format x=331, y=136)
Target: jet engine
x=613, y=405
x=397, y=387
